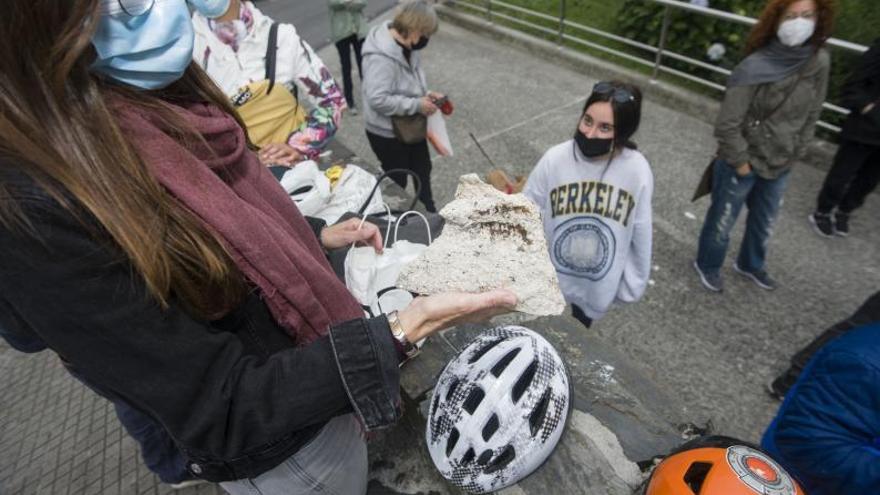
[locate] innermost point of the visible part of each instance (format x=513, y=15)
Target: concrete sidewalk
x=712, y=353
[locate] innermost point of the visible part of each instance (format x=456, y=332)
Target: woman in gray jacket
x=394, y=86
x=773, y=100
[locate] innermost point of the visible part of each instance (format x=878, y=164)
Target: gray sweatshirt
x=598, y=226
x=391, y=85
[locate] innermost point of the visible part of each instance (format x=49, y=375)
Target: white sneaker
x=353, y=110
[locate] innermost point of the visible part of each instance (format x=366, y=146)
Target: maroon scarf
x=228, y=189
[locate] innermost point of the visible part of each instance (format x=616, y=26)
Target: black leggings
x=393, y=153
x=344, y=47
x=582, y=317
x=855, y=173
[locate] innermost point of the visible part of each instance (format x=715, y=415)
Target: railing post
x=561, y=21
x=662, y=44
x=489, y=10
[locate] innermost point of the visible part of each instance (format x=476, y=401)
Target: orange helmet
x=720, y=466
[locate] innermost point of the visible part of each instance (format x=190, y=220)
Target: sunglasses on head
x=130, y=8
x=620, y=95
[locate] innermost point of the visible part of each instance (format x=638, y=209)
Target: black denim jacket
x=236, y=395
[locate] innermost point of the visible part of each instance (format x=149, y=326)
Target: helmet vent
x=536, y=419
x=485, y=457
x=504, y=458
x=490, y=428
x=696, y=476
x=473, y=400
x=524, y=381
x=483, y=350
x=452, y=387
x=501, y=365
x=434, y=404
x=453, y=439
x=468, y=456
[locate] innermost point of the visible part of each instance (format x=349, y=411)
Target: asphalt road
x=311, y=17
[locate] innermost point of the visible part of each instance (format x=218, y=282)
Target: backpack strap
x=271, y=53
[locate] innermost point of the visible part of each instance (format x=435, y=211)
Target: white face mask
x=796, y=32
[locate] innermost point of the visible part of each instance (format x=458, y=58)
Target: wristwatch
x=409, y=349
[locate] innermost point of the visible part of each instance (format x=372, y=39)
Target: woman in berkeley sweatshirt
x=594, y=192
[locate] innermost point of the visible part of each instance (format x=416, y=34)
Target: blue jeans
x=729, y=192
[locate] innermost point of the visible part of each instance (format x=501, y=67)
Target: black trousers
x=868, y=312
x=393, y=153
x=344, y=47
x=855, y=173
x=580, y=316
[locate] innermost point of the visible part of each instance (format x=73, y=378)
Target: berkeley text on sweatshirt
x=598, y=226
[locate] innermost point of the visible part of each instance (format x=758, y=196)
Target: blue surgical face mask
x=143, y=43
x=211, y=9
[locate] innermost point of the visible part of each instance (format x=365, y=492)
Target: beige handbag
x=410, y=129
x=269, y=116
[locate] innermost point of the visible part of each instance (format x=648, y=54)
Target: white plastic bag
x=308, y=187
x=372, y=277
x=350, y=193
x=437, y=135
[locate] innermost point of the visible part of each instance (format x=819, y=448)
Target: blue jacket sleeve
x=828, y=433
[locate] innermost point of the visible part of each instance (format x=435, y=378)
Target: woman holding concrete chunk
x=773, y=100
x=594, y=192
x=144, y=243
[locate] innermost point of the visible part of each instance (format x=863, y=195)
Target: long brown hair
x=56, y=125
x=765, y=30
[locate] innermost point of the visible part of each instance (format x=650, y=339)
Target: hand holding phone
x=442, y=102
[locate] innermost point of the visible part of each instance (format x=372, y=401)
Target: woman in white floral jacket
x=232, y=49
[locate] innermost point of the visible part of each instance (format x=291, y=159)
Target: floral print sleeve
x=327, y=100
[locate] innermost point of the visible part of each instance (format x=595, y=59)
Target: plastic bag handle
x=412, y=212
x=416, y=181
x=387, y=227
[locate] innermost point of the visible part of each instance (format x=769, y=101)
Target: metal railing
x=564, y=27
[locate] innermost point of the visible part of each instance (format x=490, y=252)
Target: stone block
x=491, y=240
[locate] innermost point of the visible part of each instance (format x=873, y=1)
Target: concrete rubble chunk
x=491, y=240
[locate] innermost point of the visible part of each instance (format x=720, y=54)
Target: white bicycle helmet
x=498, y=410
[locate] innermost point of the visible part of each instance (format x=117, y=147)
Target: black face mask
x=592, y=147
x=423, y=42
